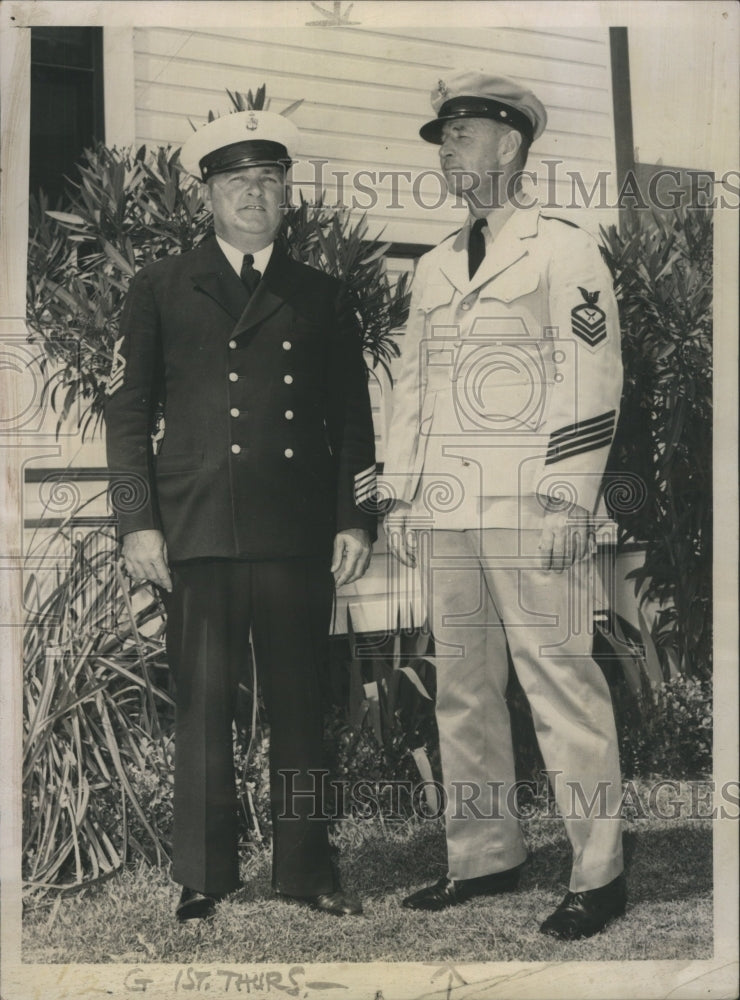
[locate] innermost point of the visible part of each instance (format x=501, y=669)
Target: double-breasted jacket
x=268, y=445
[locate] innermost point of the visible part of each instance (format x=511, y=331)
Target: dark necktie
x=476, y=246
x=249, y=274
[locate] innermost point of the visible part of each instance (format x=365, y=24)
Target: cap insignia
x=442, y=89
x=252, y=122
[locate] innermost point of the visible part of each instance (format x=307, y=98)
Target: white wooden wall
x=366, y=93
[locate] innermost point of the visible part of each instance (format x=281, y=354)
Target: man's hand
x=566, y=537
x=401, y=541
x=352, y=551
x=145, y=556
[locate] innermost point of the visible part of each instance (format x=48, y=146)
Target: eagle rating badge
x=588, y=320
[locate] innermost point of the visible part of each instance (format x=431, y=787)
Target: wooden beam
x=622, y=101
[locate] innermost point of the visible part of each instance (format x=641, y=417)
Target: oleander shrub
x=669, y=734
x=662, y=268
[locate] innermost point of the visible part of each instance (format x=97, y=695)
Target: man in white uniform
x=503, y=414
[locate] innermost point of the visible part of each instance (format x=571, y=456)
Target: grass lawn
x=130, y=918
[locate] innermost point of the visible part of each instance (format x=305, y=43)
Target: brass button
x=233, y=377
x=465, y=305
x=289, y=414
x=287, y=345
x=288, y=452
x=288, y=379
x=236, y=448
x=234, y=412
x=232, y=344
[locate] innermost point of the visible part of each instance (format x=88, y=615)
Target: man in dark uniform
x=254, y=499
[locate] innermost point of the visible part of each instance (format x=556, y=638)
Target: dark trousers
x=213, y=606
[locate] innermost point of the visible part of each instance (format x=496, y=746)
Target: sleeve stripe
x=604, y=420
x=366, y=491
x=115, y=382
x=560, y=446
x=365, y=476
x=568, y=450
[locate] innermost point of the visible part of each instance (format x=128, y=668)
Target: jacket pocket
x=166, y=465
x=435, y=294
x=511, y=285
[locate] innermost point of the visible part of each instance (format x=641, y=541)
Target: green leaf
x=414, y=678
x=67, y=218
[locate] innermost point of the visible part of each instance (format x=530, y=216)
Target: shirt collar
x=235, y=256
x=522, y=221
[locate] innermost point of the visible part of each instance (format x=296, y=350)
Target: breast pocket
x=436, y=294
x=516, y=283
x=511, y=307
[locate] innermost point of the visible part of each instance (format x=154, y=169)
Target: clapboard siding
x=366, y=93
x=201, y=86
x=176, y=100
x=407, y=63
x=395, y=140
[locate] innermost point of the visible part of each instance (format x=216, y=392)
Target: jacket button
x=287, y=345
x=232, y=344
x=233, y=377
x=236, y=448
x=288, y=379
x=234, y=412
x=289, y=414
x=465, y=305
x=288, y=453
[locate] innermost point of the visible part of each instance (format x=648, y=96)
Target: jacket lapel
x=268, y=296
x=508, y=247
x=454, y=264
x=217, y=279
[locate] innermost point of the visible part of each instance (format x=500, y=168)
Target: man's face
x=471, y=157
x=248, y=205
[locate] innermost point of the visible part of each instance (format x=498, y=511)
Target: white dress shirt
x=235, y=256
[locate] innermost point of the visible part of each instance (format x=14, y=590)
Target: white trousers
x=485, y=591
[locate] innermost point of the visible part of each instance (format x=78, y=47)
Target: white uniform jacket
x=509, y=383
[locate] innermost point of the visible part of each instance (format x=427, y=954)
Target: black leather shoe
x=450, y=892
x=582, y=914
x=195, y=905
x=339, y=902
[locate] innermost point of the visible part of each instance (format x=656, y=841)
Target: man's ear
x=508, y=146
x=205, y=193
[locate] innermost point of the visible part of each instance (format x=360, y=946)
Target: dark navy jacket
x=268, y=447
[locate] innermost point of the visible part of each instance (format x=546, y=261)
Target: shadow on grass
x=679, y=860
x=130, y=919
x=666, y=864
x=403, y=863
